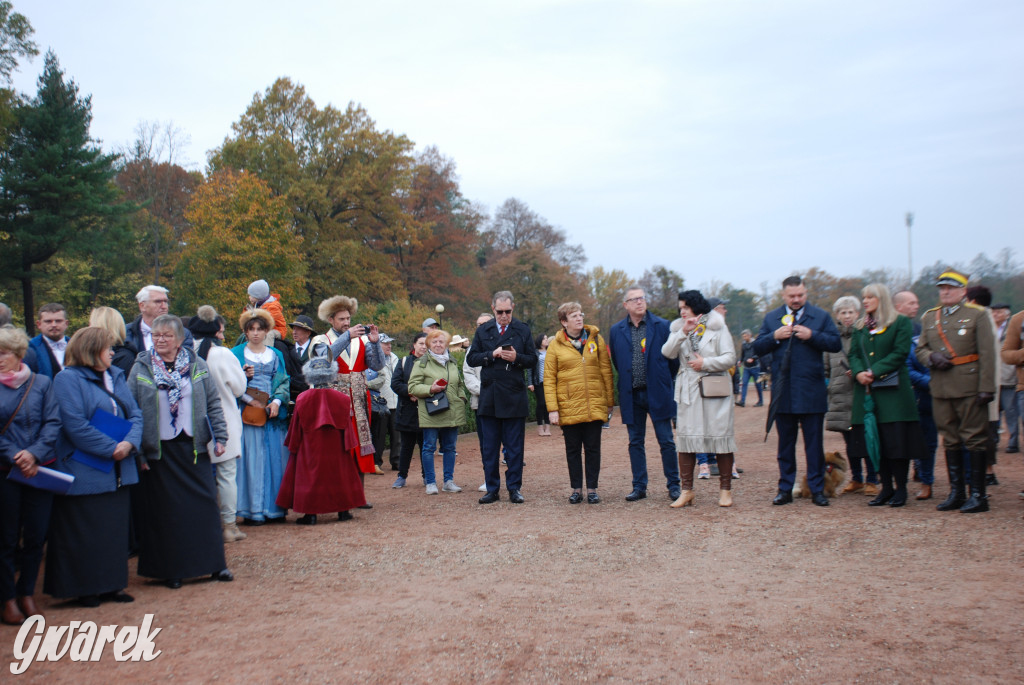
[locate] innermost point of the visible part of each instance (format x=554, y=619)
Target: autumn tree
x=539, y=285
x=344, y=181
x=239, y=231
x=608, y=290
x=56, y=190
x=516, y=226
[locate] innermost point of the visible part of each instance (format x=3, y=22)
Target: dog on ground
x=835, y=472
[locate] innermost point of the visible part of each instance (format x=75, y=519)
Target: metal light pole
x=910, y=258
x=439, y=309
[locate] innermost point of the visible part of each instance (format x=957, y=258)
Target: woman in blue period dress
x=263, y=452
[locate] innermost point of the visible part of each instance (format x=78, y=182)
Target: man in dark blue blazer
x=796, y=334
x=645, y=388
x=50, y=344
x=503, y=348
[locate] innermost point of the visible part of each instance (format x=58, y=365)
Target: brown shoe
x=852, y=486
x=926, y=492
x=11, y=614
x=870, y=489
x=28, y=606
x=232, y=534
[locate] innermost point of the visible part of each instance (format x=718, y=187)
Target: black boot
x=979, y=500
x=955, y=469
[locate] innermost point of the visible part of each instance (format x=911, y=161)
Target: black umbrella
x=779, y=386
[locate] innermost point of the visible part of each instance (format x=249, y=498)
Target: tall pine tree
x=56, y=186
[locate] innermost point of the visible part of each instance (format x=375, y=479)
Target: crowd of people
x=154, y=438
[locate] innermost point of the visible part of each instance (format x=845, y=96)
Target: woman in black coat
x=408, y=419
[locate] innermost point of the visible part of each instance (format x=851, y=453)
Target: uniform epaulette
x=934, y=308
x=974, y=306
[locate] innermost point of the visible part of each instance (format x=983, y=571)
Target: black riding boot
x=979, y=500
x=955, y=469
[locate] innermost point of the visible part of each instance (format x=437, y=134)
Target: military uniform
x=964, y=334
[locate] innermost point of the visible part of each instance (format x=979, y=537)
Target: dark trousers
x=894, y=470
x=409, y=441
x=24, y=514
x=812, y=426
x=512, y=434
x=542, y=405
x=379, y=435
x=396, y=440
x=580, y=437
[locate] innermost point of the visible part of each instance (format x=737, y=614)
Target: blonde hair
x=111, y=320
x=13, y=340
x=436, y=333
x=886, y=313
x=568, y=308
x=87, y=345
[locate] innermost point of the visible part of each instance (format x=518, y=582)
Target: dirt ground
x=441, y=589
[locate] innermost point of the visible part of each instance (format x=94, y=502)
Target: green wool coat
x=424, y=372
x=886, y=352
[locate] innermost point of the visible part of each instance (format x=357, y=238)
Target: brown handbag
x=253, y=415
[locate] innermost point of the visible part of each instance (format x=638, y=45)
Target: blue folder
x=110, y=425
x=45, y=479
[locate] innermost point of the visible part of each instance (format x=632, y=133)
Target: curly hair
x=695, y=301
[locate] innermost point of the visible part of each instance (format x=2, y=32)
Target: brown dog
x=835, y=472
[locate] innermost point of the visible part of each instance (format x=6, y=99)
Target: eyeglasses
x=502, y=311
x=633, y=300
x=164, y=336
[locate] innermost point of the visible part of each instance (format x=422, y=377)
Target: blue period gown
x=264, y=455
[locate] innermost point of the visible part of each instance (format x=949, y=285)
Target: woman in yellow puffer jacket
x=578, y=390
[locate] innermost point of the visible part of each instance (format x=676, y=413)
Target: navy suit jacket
x=803, y=389
x=661, y=402
x=503, y=385
x=45, y=363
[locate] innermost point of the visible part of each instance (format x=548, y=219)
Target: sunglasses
x=502, y=311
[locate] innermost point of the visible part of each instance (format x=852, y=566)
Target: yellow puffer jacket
x=578, y=386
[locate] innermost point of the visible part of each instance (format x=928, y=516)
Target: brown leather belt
x=956, y=361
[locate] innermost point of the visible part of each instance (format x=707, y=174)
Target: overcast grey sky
x=735, y=141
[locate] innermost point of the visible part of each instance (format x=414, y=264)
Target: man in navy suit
x=645, y=388
x=51, y=342
x=796, y=334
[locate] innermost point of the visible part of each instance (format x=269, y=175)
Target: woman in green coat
x=435, y=377
x=878, y=354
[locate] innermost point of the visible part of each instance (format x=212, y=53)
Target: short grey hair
x=5, y=314
x=147, y=290
x=634, y=286
x=502, y=295
x=170, y=321
x=846, y=302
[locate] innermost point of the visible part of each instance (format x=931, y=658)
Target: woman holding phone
x=436, y=381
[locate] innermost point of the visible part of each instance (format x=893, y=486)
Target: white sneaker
x=450, y=486
x=431, y=488
x=704, y=472
x=483, y=488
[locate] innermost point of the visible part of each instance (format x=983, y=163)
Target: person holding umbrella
x=884, y=408
x=796, y=334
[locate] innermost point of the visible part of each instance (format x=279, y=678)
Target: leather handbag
x=253, y=415
x=715, y=386
x=437, y=403
x=889, y=380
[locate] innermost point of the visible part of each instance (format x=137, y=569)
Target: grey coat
x=206, y=409
x=840, y=385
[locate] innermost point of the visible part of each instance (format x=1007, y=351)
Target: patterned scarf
x=171, y=380
x=579, y=341
x=698, y=332
x=869, y=322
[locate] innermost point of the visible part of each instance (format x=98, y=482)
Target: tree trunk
x=26, y=298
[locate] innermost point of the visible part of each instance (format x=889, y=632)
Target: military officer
x=957, y=345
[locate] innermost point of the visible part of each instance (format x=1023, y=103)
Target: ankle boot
x=725, y=498
x=685, y=499
x=883, y=497
x=11, y=614
x=978, y=501
x=955, y=469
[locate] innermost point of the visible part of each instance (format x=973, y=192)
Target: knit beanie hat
x=259, y=289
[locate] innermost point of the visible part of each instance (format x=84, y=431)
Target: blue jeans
x=637, y=453
x=749, y=374
x=1009, y=403
x=707, y=458
x=447, y=436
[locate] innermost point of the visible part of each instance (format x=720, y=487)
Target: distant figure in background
x=111, y=320
x=906, y=303
x=1008, y=404
x=537, y=385
x=408, y=419
x=260, y=297
x=153, y=301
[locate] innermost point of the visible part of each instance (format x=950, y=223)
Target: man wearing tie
x=504, y=348
x=153, y=302
x=302, y=333
x=49, y=345
x=796, y=334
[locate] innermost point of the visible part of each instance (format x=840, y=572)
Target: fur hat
x=204, y=324
x=332, y=305
x=320, y=371
x=248, y=314
x=259, y=289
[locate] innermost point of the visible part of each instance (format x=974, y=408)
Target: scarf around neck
x=15, y=379
x=441, y=359
x=171, y=380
